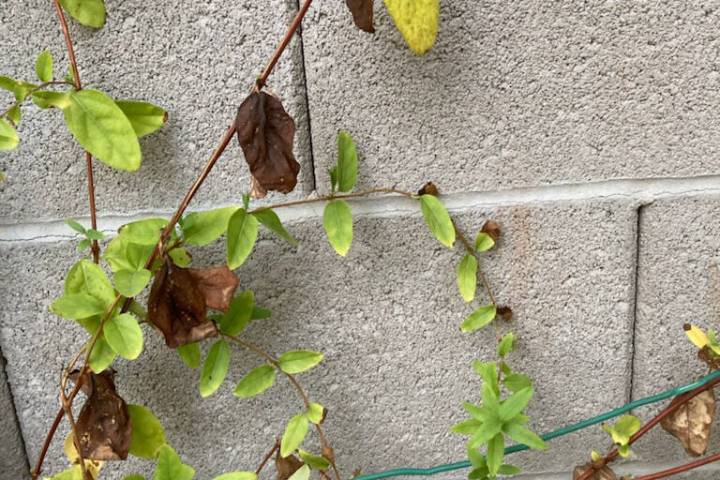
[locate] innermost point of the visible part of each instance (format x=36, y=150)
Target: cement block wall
x=589, y=131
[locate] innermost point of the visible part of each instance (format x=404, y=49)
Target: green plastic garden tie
x=448, y=467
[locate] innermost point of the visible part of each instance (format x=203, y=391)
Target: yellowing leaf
x=417, y=20
x=696, y=336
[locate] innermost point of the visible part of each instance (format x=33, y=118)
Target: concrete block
x=678, y=283
x=196, y=59
x=397, y=367
x=519, y=94
x=13, y=460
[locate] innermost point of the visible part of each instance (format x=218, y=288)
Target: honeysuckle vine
x=189, y=305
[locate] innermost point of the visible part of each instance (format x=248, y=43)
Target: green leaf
x=99, y=125
x=484, y=242
x=237, y=476
x=509, y=470
x=515, y=404
x=72, y=473
x=44, y=66
x=22, y=89
x=506, y=345
x=256, y=381
x=87, y=277
x=131, y=282
x=314, y=461
x=190, y=354
x=8, y=136
x=485, y=433
x=316, y=413
x=238, y=315
x=347, y=166
x=298, y=361
x=467, y=277
x=75, y=226
x=524, y=436
x=495, y=453
x=477, y=459
x=488, y=372
x=272, y=222
x=294, y=435
x=338, y=224
x=180, y=257
x=517, y=381
x=144, y=232
x=467, y=427
x=438, y=219
x=102, y=356
x=45, y=99
x=7, y=83
x=84, y=244
x=203, y=228
x=479, y=319
x=94, y=234
x=90, y=13
x=302, y=473
x=124, y=336
x=134, y=476
x=148, y=434
x=144, y=117
x=260, y=313
x=170, y=467
x=624, y=428
x=215, y=368
x=241, y=237
x=417, y=20
x=14, y=114
x=122, y=254
x=77, y=306
x=333, y=178
x=624, y=450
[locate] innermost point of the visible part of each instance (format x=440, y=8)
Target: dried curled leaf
x=178, y=307
x=266, y=133
x=217, y=285
x=691, y=423
x=505, y=313
x=103, y=426
x=492, y=228
x=362, y=12
x=429, y=189
x=603, y=473
x=285, y=467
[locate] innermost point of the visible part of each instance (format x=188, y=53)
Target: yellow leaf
x=92, y=466
x=417, y=20
x=696, y=336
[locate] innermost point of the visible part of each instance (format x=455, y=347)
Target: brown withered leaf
x=691, y=423
x=177, y=306
x=266, y=133
x=505, y=313
x=604, y=473
x=285, y=467
x=362, y=12
x=429, y=189
x=217, y=285
x=492, y=228
x=103, y=426
x=709, y=358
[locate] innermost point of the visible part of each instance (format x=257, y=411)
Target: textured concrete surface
x=13, y=459
x=520, y=93
x=198, y=60
x=679, y=282
x=387, y=319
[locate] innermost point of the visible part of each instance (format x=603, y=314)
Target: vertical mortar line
x=13, y=406
x=307, y=101
x=636, y=286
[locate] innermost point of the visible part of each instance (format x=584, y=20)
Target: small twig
x=680, y=468
x=267, y=458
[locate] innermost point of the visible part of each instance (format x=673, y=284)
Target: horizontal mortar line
x=640, y=191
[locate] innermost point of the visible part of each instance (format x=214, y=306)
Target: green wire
x=448, y=467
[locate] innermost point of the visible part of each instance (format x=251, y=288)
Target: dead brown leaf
x=604, y=473
x=362, y=12
x=429, y=189
x=178, y=307
x=492, y=228
x=103, y=426
x=217, y=285
x=266, y=133
x=691, y=423
x=505, y=313
x=285, y=467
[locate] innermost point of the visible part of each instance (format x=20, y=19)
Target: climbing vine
x=189, y=305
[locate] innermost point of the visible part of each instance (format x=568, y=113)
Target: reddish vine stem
x=297, y=21
x=94, y=246
x=682, y=400
x=267, y=458
x=680, y=468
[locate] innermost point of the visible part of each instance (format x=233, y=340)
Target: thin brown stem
x=68, y=43
x=267, y=458
x=297, y=21
x=470, y=249
x=326, y=198
x=300, y=390
x=680, y=401
x=680, y=468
